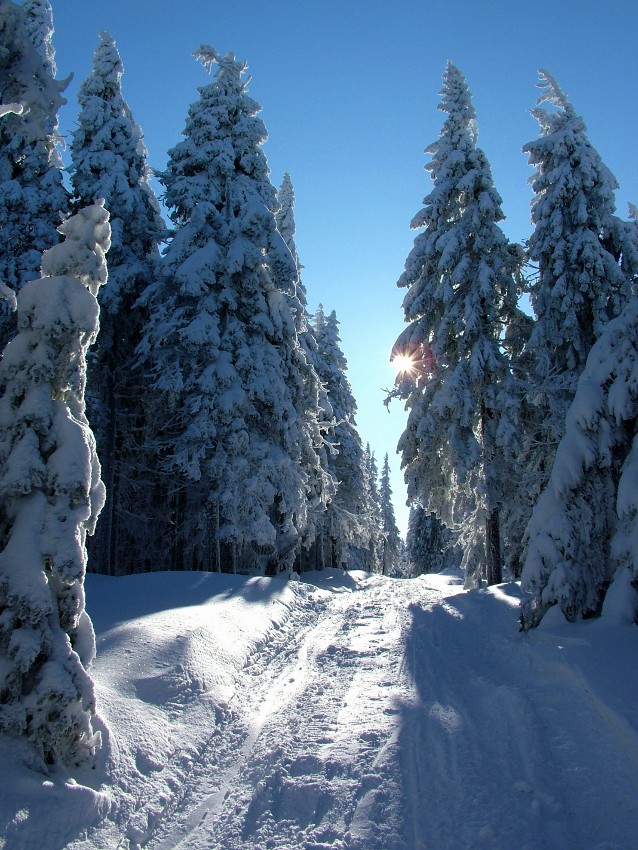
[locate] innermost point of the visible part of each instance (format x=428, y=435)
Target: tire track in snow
x=274, y=690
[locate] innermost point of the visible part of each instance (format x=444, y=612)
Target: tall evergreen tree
x=32, y=197
x=461, y=291
x=390, y=537
x=220, y=338
x=345, y=521
x=109, y=162
x=584, y=527
x=50, y=496
x=285, y=218
x=586, y=262
x=311, y=401
x=516, y=505
x=372, y=513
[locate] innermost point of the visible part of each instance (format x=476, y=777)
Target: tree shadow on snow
x=40, y=812
x=461, y=658
x=111, y=601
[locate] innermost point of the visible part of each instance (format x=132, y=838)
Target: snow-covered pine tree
x=584, y=274
x=584, y=529
x=219, y=341
x=345, y=523
x=109, y=161
x=429, y=544
x=285, y=217
x=50, y=496
x=310, y=397
x=33, y=200
x=390, y=537
x=39, y=20
x=461, y=290
x=371, y=512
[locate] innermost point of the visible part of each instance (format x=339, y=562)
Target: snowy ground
x=344, y=712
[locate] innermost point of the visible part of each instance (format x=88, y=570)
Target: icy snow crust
x=341, y=712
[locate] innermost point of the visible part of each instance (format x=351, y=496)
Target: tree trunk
x=492, y=527
x=493, y=547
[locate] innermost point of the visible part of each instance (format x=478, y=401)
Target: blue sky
x=349, y=91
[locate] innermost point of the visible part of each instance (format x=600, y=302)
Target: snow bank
x=170, y=648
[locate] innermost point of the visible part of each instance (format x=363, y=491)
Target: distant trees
x=390, y=538
x=346, y=523
x=314, y=411
x=429, y=545
x=50, y=497
x=371, y=548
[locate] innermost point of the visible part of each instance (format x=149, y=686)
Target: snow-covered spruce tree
x=429, y=544
x=285, y=217
x=50, y=496
x=310, y=397
x=390, y=537
x=219, y=341
x=33, y=200
x=584, y=272
x=461, y=290
x=109, y=162
x=372, y=513
x=516, y=503
x=344, y=524
x=584, y=528
x=39, y=20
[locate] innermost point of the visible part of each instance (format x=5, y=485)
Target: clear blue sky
x=349, y=91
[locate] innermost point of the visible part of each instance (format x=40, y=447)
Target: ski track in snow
x=312, y=769
x=370, y=714
x=401, y=720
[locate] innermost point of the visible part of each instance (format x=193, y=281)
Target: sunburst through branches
x=412, y=362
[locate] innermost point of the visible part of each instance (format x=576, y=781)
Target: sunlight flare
x=404, y=364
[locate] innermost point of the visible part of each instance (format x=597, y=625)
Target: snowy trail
x=312, y=771
x=344, y=712
x=410, y=715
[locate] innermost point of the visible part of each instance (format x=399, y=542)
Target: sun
x=404, y=364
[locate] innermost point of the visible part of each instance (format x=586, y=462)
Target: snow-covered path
x=318, y=767
x=343, y=712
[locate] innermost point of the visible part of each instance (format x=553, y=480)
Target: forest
x=169, y=402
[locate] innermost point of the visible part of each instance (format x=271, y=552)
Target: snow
x=342, y=712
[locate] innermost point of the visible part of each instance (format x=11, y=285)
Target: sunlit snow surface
x=343, y=712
